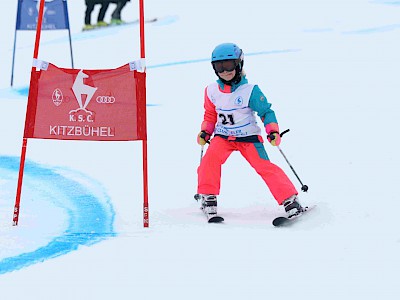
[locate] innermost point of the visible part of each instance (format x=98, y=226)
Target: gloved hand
x=273, y=136
x=203, y=138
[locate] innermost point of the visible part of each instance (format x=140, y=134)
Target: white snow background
x=331, y=70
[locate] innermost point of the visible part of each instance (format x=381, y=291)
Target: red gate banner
x=100, y=105
x=72, y=104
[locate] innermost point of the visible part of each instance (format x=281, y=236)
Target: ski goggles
x=225, y=65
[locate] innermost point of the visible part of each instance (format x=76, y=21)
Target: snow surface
x=331, y=70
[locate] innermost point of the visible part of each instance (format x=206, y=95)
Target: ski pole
x=304, y=187
x=201, y=153
x=197, y=197
x=203, y=135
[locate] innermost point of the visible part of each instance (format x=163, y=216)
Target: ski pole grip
x=284, y=132
x=203, y=135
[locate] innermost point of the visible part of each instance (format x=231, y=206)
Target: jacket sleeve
x=259, y=103
x=210, y=115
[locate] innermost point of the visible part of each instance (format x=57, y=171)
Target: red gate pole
x=19, y=186
x=144, y=142
x=25, y=139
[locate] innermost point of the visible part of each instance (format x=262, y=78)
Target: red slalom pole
x=146, y=222
x=25, y=140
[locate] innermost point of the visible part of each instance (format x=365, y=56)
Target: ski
x=213, y=218
x=121, y=25
x=134, y=22
x=285, y=221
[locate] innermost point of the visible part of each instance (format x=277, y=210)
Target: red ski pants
x=209, y=171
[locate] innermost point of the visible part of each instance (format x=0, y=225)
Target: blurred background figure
x=90, y=4
x=116, y=15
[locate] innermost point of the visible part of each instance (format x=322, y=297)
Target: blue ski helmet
x=226, y=51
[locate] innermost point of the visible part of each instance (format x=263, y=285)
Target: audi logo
x=105, y=99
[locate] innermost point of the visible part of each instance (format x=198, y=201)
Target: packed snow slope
x=330, y=70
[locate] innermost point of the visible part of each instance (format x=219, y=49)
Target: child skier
x=230, y=105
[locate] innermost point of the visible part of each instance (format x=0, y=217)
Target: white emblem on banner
x=80, y=89
x=57, y=97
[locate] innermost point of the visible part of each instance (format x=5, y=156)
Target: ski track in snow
x=24, y=91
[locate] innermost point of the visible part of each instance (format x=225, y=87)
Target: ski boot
x=117, y=22
x=88, y=27
x=101, y=24
x=209, y=204
x=292, y=206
